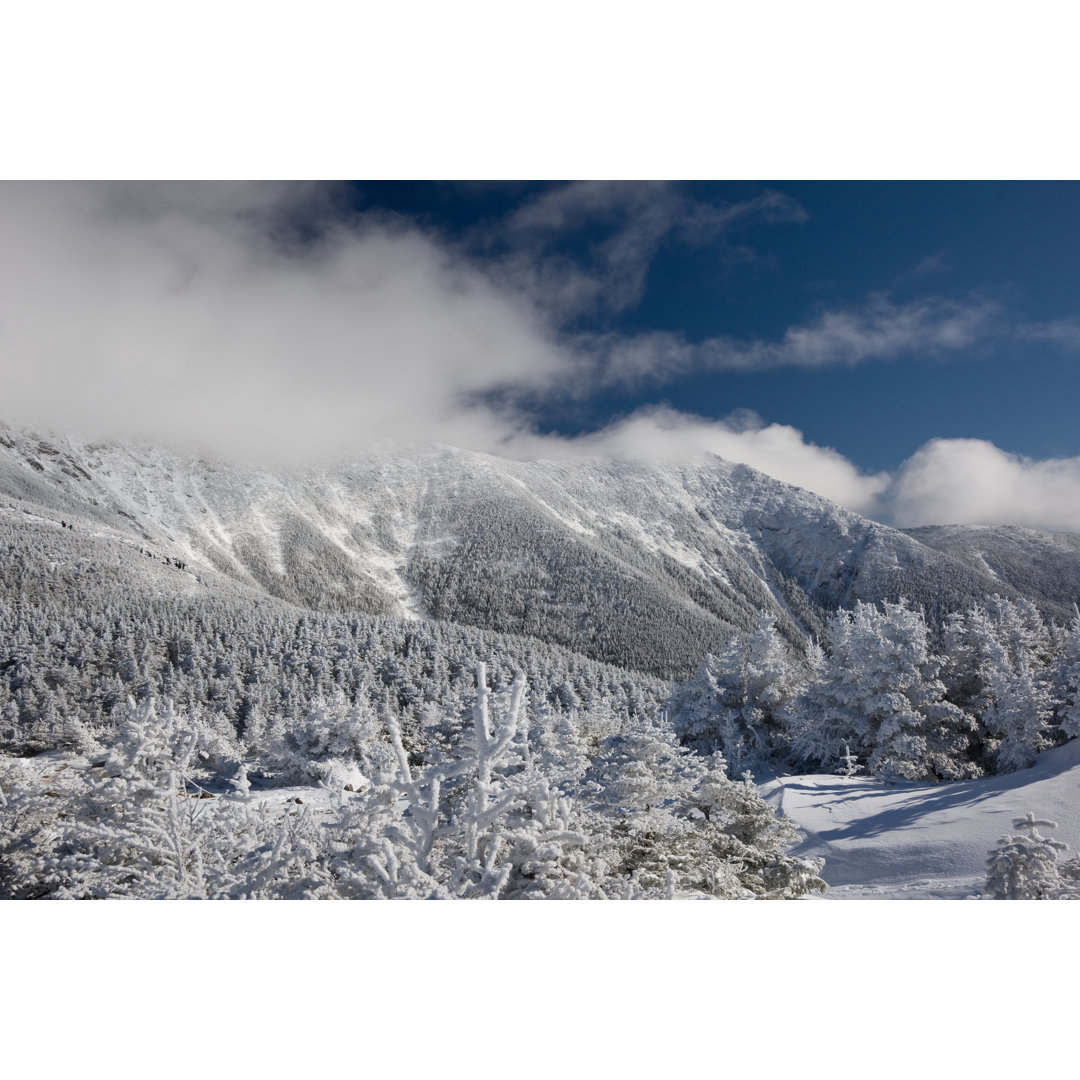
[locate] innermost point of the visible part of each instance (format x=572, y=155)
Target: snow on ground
x=923, y=841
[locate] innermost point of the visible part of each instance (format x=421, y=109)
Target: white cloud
x=932, y=264
x=973, y=482
x=878, y=330
x=661, y=433
x=1064, y=333
x=183, y=312
x=946, y=481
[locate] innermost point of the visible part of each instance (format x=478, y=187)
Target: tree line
x=991, y=689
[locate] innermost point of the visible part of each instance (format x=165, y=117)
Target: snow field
x=923, y=841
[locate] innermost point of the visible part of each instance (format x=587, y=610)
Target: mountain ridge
x=647, y=565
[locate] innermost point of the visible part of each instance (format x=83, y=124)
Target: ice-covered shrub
x=335, y=743
x=138, y=829
x=504, y=810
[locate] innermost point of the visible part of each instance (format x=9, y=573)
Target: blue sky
x=1008, y=247
x=909, y=350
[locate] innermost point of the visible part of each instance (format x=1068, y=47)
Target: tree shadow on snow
x=909, y=814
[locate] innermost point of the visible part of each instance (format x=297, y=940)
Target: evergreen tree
x=1000, y=671
x=694, y=708
x=880, y=697
x=1024, y=866
x=850, y=762
x=1070, y=682
x=740, y=703
x=1018, y=715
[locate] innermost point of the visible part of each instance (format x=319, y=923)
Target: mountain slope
x=1043, y=566
x=646, y=566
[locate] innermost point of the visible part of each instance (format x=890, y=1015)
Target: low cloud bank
x=973, y=482
x=194, y=313
x=267, y=321
x=945, y=482
x=663, y=434
x=273, y=320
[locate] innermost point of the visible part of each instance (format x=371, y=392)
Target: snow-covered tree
x=740, y=702
x=999, y=670
x=694, y=708
x=549, y=851
x=759, y=685
x=1018, y=715
x=1070, y=682
x=1023, y=865
x=31, y=827
x=850, y=762
x=880, y=697
x=710, y=793
x=140, y=829
x=334, y=742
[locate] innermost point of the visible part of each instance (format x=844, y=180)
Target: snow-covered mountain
x=643, y=565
